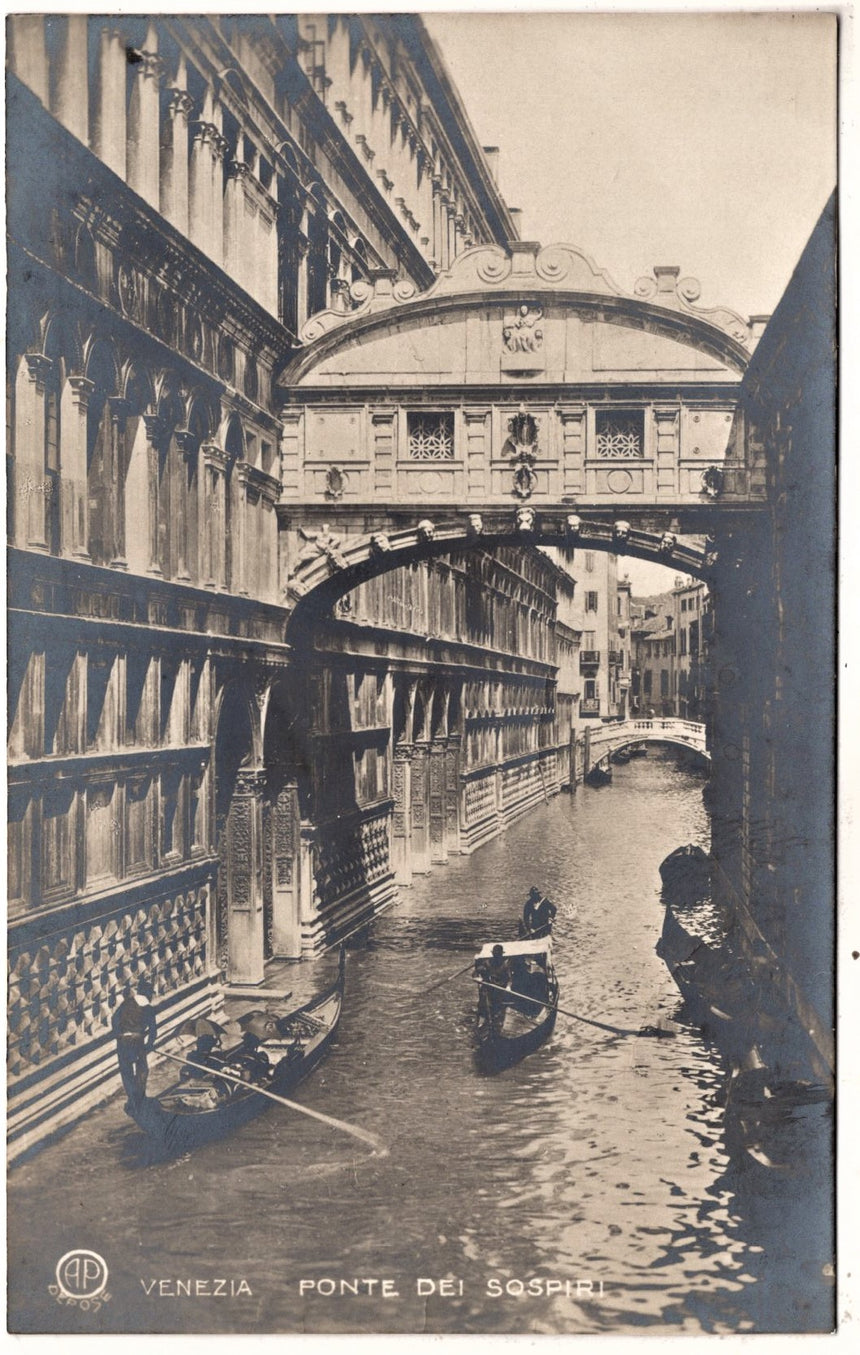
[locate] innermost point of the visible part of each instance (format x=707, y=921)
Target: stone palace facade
x=191, y=792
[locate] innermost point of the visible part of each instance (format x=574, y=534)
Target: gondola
x=621, y=756
x=206, y=1107
x=512, y=1024
x=638, y=750
x=599, y=776
x=686, y=874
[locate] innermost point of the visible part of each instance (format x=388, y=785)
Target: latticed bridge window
x=431, y=436
x=620, y=435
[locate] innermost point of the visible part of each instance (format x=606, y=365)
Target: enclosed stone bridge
x=523, y=397
x=606, y=739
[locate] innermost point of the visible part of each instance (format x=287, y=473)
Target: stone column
x=245, y=927
x=110, y=111
x=71, y=90
x=239, y=522
x=213, y=516
x=302, y=284
x=188, y=447
x=219, y=150
x=420, y=808
x=174, y=159
x=452, y=793
x=498, y=776
x=117, y=410
x=401, y=823
x=31, y=479
x=143, y=122
x=200, y=186
x=286, y=923
x=74, y=499
x=439, y=234
x=438, y=802
x=235, y=237
x=307, y=881
x=157, y=434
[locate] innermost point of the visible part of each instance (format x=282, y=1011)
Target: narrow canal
x=593, y=1174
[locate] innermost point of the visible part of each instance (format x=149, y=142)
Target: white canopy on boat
x=541, y=946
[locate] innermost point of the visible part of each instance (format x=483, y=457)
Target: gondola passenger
x=207, y=1053
x=250, y=1060
x=496, y=971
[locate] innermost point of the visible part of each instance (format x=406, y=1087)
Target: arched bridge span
x=606, y=739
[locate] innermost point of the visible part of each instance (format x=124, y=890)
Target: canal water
x=585, y=1190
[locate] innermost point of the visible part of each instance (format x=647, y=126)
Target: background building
x=671, y=634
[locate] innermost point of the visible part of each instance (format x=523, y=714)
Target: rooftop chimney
x=491, y=154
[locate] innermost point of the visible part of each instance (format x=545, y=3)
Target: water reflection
x=598, y=1162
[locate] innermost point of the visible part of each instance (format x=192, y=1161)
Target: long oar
x=376, y=1144
x=448, y=977
x=616, y=1030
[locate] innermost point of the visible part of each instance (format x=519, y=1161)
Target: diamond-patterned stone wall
x=64, y=989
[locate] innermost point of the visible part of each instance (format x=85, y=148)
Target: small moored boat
x=599, y=775
x=512, y=1022
x=686, y=874
x=207, y=1104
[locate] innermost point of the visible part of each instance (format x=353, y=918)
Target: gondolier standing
x=538, y=913
x=134, y=1026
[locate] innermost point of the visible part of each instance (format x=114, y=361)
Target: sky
x=702, y=140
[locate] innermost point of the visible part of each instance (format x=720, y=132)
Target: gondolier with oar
x=134, y=1026
x=538, y=914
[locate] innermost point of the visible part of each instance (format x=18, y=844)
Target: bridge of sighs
x=522, y=397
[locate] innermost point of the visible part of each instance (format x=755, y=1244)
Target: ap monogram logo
x=82, y=1278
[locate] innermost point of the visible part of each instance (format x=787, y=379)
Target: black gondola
x=599, y=776
x=206, y=1106
x=621, y=756
x=686, y=874
x=514, y=1022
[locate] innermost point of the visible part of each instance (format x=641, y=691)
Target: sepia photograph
x=421, y=578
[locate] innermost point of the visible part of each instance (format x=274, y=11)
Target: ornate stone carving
x=667, y=543
x=573, y=523
x=475, y=524
x=426, y=530
x=621, y=530
x=522, y=332
x=713, y=481
x=525, y=478
x=323, y=542
x=128, y=290
x=525, y=519
x=379, y=543
x=335, y=483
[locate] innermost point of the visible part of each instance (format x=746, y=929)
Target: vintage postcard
x=421, y=436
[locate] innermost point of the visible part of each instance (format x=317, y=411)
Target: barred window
x=620, y=434
x=431, y=436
